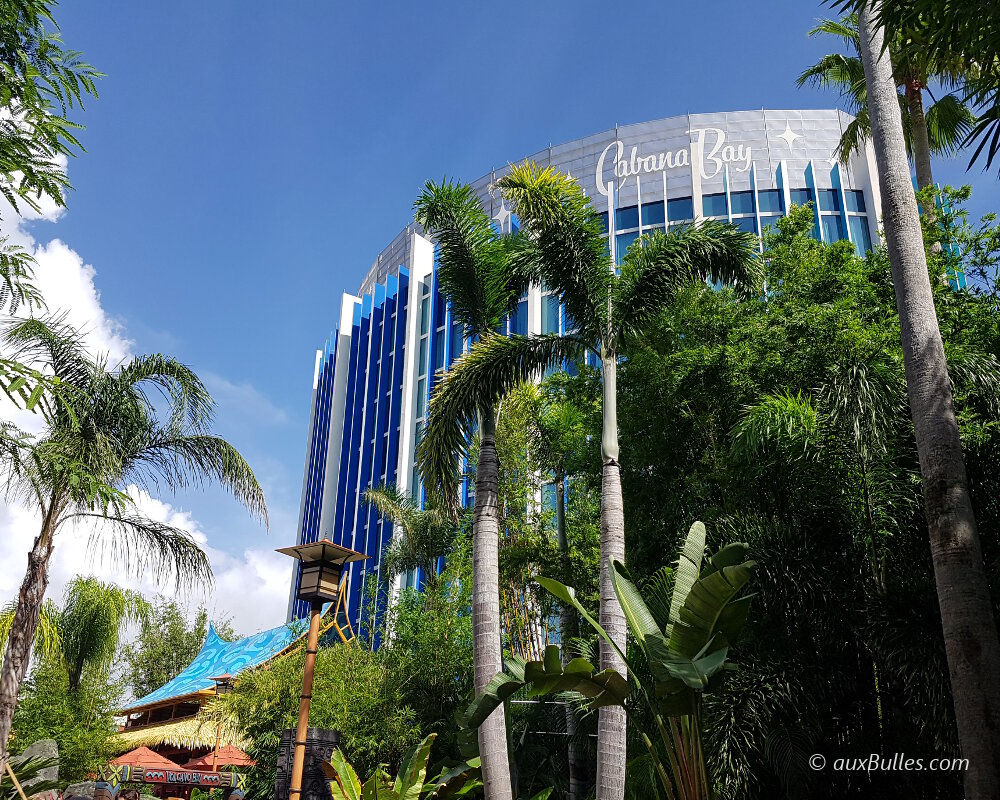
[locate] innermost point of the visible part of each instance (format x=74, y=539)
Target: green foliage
x=27, y=772
x=678, y=662
x=410, y=782
x=381, y=701
x=784, y=421
x=949, y=119
x=166, y=643
x=80, y=719
x=39, y=84
x=92, y=619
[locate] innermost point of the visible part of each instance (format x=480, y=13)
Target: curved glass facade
x=374, y=377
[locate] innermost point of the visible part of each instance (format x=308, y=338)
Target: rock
x=80, y=791
x=43, y=749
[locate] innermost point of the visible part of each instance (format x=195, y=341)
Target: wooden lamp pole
x=322, y=566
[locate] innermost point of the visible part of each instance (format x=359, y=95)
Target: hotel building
x=373, y=377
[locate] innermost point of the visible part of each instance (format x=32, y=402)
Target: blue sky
x=246, y=161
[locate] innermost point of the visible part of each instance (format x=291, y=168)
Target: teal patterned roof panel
x=218, y=657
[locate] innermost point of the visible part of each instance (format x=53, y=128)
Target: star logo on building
x=789, y=136
x=502, y=216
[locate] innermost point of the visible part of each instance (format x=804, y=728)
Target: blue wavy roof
x=217, y=657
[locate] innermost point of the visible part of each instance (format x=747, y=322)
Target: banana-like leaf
x=688, y=568
x=456, y=781
x=376, y=789
x=637, y=614
x=548, y=676
x=544, y=794
x=657, y=592
x=728, y=556
x=567, y=594
x=699, y=615
x=344, y=783
x=413, y=770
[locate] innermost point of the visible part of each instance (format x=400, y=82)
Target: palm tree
x=92, y=619
x=940, y=130
x=427, y=534
x=105, y=433
x=483, y=274
x=566, y=249
x=967, y=620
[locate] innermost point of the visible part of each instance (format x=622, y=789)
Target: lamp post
x=223, y=686
x=322, y=565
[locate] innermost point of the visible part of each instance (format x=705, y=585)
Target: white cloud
x=250, y=588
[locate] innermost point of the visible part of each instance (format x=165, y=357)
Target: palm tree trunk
x=611, y=719
x=22, y=630
x=486, y=655
x=569, y=629
x=970, y=632
x=919, y=134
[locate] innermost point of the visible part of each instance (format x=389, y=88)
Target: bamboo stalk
x=13, y=777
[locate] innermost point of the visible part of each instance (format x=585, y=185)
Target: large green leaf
x=638, y=616
x=688, y=568
x=568, y=595
x=699, y=615
x=455, y=781
x=413, y=770
x=344, y=783
x=548, y=676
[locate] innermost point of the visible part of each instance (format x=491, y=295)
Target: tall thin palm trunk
x=487, y=660
x=611, y=719
x=919, y=134
x=569, y=629
x=970, y=632
x=23, y=627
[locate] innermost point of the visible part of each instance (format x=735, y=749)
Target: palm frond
x=655, y=267
x=17, y=268
x=949, y=123
x=471, y=257
x=148, y=546
x=48, y=641
x=845, y=28
x=189, y=400
x=845, y=74
x=183, y=460
x=92, y=619
x=571, y=250
x=475, y=383
x=50, y=341
x=855, y=136
x=779, y=426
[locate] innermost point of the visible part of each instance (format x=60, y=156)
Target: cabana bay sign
x=708, y=150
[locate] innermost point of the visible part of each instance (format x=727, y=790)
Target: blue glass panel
x=439, y=350
x=800, y=197
x=550, y=313
x=652, y=214
x=457, y=339
x=440, y=309
x=626, y=218
x=769, y=222
x=860, y=234
x=829, y=200
x=833, y=228
x=425, y=315
x=680, y=208
x=713, y=205
x=652, y=229
x=769, y=201
x=622, y=241
x=748, y=224
x=742, y=202
x=855, y=200
x=519, y=321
